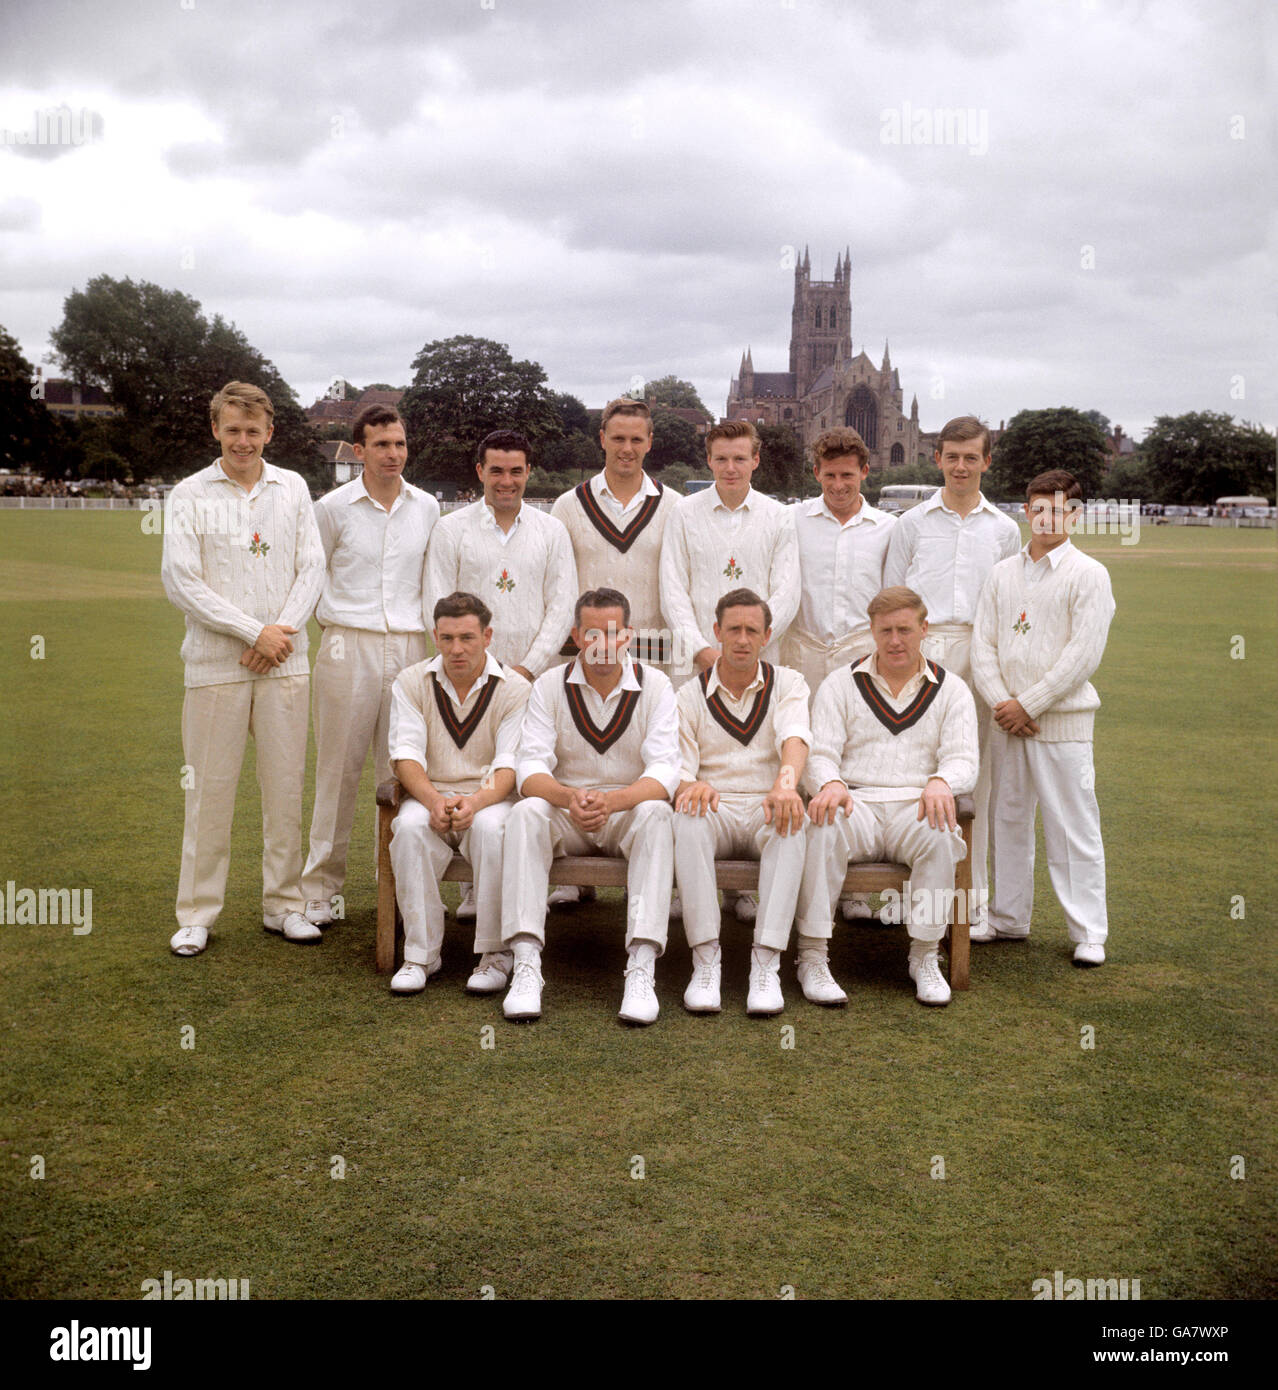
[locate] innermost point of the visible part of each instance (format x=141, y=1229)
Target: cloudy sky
x=615, y=190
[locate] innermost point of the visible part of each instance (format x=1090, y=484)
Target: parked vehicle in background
x=900, y=497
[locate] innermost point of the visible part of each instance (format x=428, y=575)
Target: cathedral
x=826, y=385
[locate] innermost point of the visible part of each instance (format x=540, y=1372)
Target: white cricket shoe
x=189, y=941
x=765, y=995
x=925, y=971
x=639, y=1001
x=1089, y=953
x=411, y=978
x=293, y=927
x=819, y=986
x=746, y=907
x=319, y=913
x=702, y=995
x=466, y=909
x=855, y=907
x=492, y=973
x=523, y=998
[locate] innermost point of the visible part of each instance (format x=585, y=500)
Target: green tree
x=674, y=440
x=673, y=391
x=1129, y=478
x=1037, y=440
x=781, y=462
x=464, y=387
x=1204, y=455
x=574, y=418
x=162, y=361
x=26, y=428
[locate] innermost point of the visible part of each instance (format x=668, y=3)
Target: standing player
x=243, y=561
x=518, y=559
x=842, y=546
x=943, y=549
x=616, y=522
x=375, y=530
x=1040, y=633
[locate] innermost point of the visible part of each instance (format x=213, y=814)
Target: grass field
x=514, y=1165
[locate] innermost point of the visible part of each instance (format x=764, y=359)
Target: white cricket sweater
x=625, y=557
x=709, y=550
x=236, y=562
x=527, y=580
x=852, y=743
x=1039, y=634
x=487, y=724
x=745, y=756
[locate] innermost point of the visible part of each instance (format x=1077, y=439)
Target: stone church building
x=826, y=385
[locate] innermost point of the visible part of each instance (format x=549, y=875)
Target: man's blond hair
x=837, y=444
x=623, y=405
x=892, y=600
x=246, y=396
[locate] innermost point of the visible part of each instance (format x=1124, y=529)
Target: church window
x=818, y=317
x=789, y=414
x=834, y=317
x=900, y=424
x=862, y=414
x=898, y=454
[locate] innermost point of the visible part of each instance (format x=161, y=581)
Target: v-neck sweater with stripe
x=457, y=771
x=710, y=753
x=602, y=565
x=851, y=743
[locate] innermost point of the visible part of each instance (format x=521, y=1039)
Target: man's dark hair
x=742, y=598
x=509, y=440
x=1053, y=481
x=602, y=598
x=372, y=416
x=464, y=605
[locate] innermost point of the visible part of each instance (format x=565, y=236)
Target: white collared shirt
x=376, y=558
x=945, y=557
x=488, y=520
x=660, y=745
x=408, y=737
x=840, y=566
x=1035, y=570
x=603, y=493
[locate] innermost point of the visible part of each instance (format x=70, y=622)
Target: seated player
x=894, y=741
x=454, y=740
x=1041, y=625
x=743, y=742
x=599, y=761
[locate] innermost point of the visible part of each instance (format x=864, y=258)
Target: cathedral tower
x=821, y=321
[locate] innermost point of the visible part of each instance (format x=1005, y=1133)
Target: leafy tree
x=1204, y=455
x=1036, y=440
x=26, y=427
x=1129, y=478
x=575, y=454
x=462, y=388
x=162, y=361
x=673, y=391
x=1100, y=421
x=781, y=462
x=573, y=416
x=674, y=440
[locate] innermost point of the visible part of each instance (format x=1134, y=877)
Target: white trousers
x=350, y=702
x=536, y=832
x=1059, y=779
x=420, y=856
x=737, y=830
x=950, y=645
x=881, y=830
x=216, y=723
x=814, y=659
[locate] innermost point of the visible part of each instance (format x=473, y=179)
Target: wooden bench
x=739, y=874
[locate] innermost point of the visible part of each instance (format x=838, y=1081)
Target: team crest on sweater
x=732, y=569
x=897, y=721
x=1021, y=625
x=257, y=546
x=504, y=582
